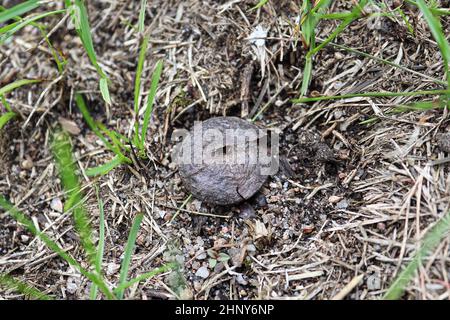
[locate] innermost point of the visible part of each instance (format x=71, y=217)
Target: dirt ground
x=318, y=224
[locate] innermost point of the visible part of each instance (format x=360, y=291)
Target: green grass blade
x=112, y=135
x=137, y=84
x=355, y=14
x=432, y=239
x=307, y=73
x=17, y=84
x=310, y=19
x=141, y=24
x=29, y=225
x=94, y=127
x=390, y=63
x=373, y=95
x=78, y=12
x=5, y=118
x=8, y=32
x=18, y=10
x=5, y=103
x=80, y=19
x=150, y=101
x=62, y=151
x=59, y=59
x=100, y=245
x=22, y=287
x=307, y=23
x=260, y=4
x=104, y=90
x=145, y=276
x=17, y=19
x=88, y=118
x=128, y=252
x=105, y=168
x=439, y=36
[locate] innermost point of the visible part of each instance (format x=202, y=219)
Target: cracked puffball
x=217, y=160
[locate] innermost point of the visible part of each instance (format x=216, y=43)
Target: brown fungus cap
x=228, y=181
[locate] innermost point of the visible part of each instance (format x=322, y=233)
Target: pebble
x=57, y=205
x=273, y=185
x=71, y=286
x=334, y=199
x=261, y=200
x=200, y=242
x=27, y=164
x=197, y=286
x=343, y=204
x=69, y=125
x=373, y=282
x=196, y=265
x=112, y=268
x=246, y=211
x=201, y=256
x=240, y=279
x=202, y=272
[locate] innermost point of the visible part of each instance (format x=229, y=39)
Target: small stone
x=261, y=200
x=197, y=286
x=112, y=268
x=381, y=226
x=24, y=238
x=240, y=279
x=343, y=204
x=160, y=213
x=201, y=256
x=260, y=230
x=373, y=282
x=274, y=199
x=307, y=229
x=338, y=114
x=334, y=199
x=246, y=211
x=70, y=126
x=27, y=164
x=71, y=286
x=200, y=241
x=57, y=205
x=273, y=185
x=196, y=265
x=434, y=286
x=202, y=272
x=197, y=204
